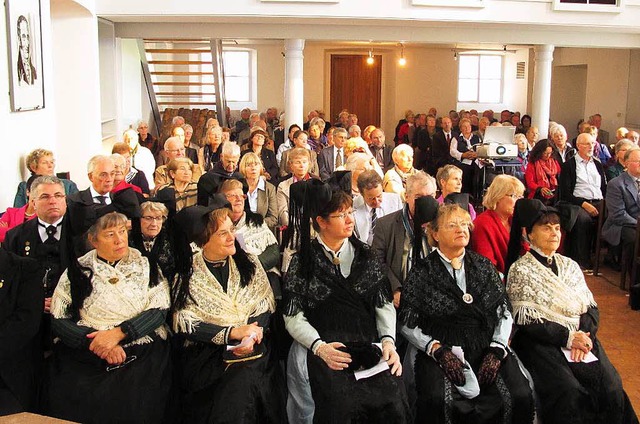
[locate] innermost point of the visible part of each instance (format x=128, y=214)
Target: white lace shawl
x=109, y=304
x=537, y=294
x=256, y=239
x=209, y=303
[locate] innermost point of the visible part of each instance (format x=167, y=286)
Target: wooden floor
x=619, y=330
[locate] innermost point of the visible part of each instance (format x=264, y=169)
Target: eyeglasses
x=47, y=197
x=153, y=218
x=343, y=215
x=177, y=150
x=515, y=196
x=226, y=233
x=452, y=226
x=235, y=196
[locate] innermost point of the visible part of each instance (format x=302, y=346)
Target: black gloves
x=490, y=366
x=451, y=365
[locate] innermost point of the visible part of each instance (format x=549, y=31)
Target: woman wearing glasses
x=456, y=313
x=338, y=308
x=491, y=227
x=109, y=308
x=222, y=313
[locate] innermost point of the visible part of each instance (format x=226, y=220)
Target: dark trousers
x=581, y=237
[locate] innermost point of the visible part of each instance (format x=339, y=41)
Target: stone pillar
x=541, y=98
x=293, y=82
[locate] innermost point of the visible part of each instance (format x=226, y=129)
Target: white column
x=293, y=82
x=541, y=98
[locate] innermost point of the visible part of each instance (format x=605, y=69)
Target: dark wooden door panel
x=356, y=86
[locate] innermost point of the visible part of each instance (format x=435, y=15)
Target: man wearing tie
x=440, y=155
x=332, y=158
x=372, y=204
x=380, y=150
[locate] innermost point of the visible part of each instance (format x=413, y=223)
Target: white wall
x=568, y=94
x=32, y=129
x=607, y=82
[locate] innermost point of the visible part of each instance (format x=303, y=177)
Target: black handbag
x=364, y=355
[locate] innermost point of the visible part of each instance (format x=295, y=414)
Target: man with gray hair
x=371, y=205
x=225, y=169
x=331, y=158
x=174, y=149
x=44, y=239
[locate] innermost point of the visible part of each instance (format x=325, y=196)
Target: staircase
x=184, y=74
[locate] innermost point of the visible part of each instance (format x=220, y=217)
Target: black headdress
x=460, y=199
x=340, y=180
x=426, y=210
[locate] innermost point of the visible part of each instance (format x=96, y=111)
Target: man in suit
x=623, y=204
x=582, y=188
x=603, y=136
x=332, y=157
x=44, y=239
x=20, y=312
x=442, y=140
x=226, y=168
x=393, y=235
x=371, y=205
x=380, y=151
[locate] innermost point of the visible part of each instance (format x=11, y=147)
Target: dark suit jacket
x=326, y=162
x=623, y=207
x=569, y=153
x=387, y=159
x=21, y=301
x=568, y=181
x=22, y=75
x=388, y=245
x=440, y=152
x=424, y=144
x=268, y=205
x=192, y=154
x=210, y=182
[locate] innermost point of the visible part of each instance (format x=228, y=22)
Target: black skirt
x=79, y=387
x=243, y=392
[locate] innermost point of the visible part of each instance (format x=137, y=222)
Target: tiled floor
x=619, y=330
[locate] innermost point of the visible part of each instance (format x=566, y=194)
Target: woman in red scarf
x=542, y=173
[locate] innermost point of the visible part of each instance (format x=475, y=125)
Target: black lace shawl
x=432, y=300
x=367, y=279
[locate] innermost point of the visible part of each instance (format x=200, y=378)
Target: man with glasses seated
x=174, y=149
x=372, y=204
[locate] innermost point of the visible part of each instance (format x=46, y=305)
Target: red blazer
x=532, y=182
x=490, y=238
x=13, y=217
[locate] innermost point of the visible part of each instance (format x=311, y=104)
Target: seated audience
x=141, y=157
x=543, y=173
x=189, y=152
x=449, y=179
x=396, y=178
x=209, y=154
x=40, y=162
x=532, y=136
x=20, y=316
x=465, y=157
x=333, y=157
x=360, y=316
x=174, y=150
x=371, y=204
x=13, y=217
x=224, y=169
x=618, y=166
x=380, y=151
x=262, y=194
x=108, y=311
x=119, y=182
x=582, y=188
x=145, y=139
x=523, y=156
x=491, y=227
x=189, y=141
x=455, y=298
x=131, y=175
x=180, y=171
x=440, y=147
x=557, y=321
x=256, y=144
x=299, y=140
x=227, y=302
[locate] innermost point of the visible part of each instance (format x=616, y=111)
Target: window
x=239, y=77
x=614, y=6
x=479, y=78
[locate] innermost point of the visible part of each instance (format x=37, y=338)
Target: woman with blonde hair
x=261, y=194
x=491, y=227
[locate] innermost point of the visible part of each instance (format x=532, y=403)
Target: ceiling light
x=402, y=61
x=370, y=58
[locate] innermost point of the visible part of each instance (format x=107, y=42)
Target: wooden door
x=356, y=86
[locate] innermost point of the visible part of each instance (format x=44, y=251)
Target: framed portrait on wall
x=24, y=38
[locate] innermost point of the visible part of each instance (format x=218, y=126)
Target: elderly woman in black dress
x=458, y=314
x=112, y=361
x=228, y=372
x=557, y=322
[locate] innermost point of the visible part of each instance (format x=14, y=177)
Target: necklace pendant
x=467, y=298
x=336, y=260
x=549, y=260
